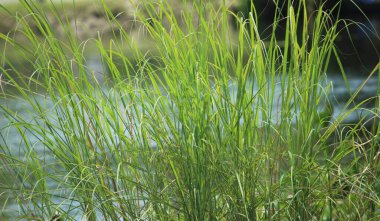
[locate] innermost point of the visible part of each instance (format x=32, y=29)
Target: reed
x=210, y=124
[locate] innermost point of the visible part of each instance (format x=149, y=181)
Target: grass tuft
x=210, y=124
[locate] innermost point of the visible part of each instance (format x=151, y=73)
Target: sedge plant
x=212, y=123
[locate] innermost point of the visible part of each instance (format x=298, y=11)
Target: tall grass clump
x=210, y=124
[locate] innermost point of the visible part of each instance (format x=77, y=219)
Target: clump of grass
x=194, y=131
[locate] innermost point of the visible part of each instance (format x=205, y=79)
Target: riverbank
x=87, y=19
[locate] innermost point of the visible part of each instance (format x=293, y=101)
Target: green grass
x=192, y=130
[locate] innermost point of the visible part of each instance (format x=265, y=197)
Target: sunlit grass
x=214, y=125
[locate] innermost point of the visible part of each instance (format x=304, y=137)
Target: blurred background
x=358, y=43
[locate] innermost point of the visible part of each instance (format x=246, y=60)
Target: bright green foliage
x=193, y=129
